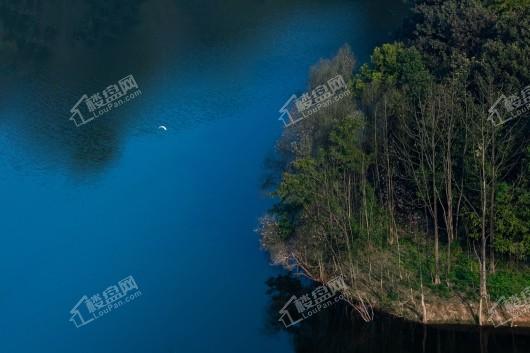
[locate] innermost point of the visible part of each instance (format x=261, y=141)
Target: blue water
x=84, y=207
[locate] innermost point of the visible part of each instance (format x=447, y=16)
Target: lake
x=166, y=187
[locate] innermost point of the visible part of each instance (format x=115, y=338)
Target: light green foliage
x=357, y=200
x=393, y=64
x=503, y=6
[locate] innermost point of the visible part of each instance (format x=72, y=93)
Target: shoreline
x=464, y=314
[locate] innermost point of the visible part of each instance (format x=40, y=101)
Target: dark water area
x=339, y=329
x=85, y=207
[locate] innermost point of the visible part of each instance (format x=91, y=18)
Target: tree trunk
x=483, y=260
x=492, y=205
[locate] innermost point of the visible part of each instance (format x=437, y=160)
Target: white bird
x=162, y=127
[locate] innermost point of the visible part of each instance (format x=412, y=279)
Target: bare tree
x=418, y=148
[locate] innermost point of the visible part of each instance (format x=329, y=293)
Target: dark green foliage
x=513, y=215
x=416, y=166
x=508, y=282
x=447, y=30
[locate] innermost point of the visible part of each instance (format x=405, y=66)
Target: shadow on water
x=46, y=48
x=53, y=51
x=32, y=29
x=338, y=329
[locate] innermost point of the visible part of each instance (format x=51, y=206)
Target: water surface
x=85, y=207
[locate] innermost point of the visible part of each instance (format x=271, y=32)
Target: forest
x=416, y=190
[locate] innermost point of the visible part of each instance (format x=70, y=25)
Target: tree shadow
x=338, y=329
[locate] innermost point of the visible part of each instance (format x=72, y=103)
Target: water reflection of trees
x=32, y=28
x=40, y=35
x=21, y=31
x=64, y=44
x=339, y=330
x=107, y=20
